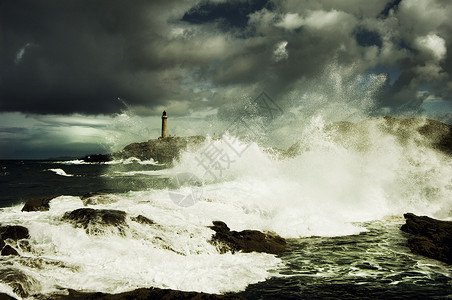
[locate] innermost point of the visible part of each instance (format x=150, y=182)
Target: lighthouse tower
x=164, y=118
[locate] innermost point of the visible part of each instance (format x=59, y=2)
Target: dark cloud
x=390, y=6
x=233, y=13
x=367, y=38
x=80, y=56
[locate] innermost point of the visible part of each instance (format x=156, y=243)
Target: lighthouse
x=164, y=118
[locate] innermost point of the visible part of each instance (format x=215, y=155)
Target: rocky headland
x=162, y=150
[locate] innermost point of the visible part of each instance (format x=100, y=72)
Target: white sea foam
x=73, y=162
x=60, y=172
x=174, y=253
x=132, y=160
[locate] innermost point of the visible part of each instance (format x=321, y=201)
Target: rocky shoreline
x=14, y=242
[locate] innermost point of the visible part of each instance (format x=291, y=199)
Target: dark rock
x=143, y=293
x=21, y=284
x=97, y=221
x=142, y=220
x=163, y=150
x=14, y=232
x=6, y=297
x=430, y=237
x=97, y=158
x=246, y=240
x=8, y=250
x=38, y=204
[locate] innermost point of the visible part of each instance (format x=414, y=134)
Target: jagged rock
x=8, y=250
x=430, y=237
x=38, y=204
x=97, y=198
x=97, y=221
x=21, y=284
x=142, y=220
x=246, y=240
x=14, y=232
x=143, y=293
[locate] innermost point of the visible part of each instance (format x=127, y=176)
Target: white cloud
x=321, y=19
x=291, y=21
x=280, y=52
x=21, y=53
x=433, y=44
x=318, y=19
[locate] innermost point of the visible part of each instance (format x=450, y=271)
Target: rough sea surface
x=340, y=207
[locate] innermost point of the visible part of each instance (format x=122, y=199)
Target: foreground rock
x=15, y=235
x=151, y=293
x=39, y=204
x=6, y=297
x=430, y=237
x=20, y=283
x=97, y=221
x=246, y=240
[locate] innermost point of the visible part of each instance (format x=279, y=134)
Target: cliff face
x=161, y=150
x=424, y=132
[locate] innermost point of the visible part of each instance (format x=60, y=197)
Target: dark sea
x=340, y=210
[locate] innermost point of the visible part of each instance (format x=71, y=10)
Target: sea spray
x=329, y=183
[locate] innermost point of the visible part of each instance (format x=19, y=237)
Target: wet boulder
x=429, y=237
x=39, y=204
x=97, y=221
x=246, y=240
x=6, y=297
x=21, y=284
x=14, y=234
x=8, y=250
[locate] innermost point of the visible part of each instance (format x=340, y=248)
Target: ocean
x=339, y=204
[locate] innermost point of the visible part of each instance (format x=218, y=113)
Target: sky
x=82, y=76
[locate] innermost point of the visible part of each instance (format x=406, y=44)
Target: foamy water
x=327, y=188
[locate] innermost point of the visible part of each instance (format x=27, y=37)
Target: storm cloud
x=80, y=56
